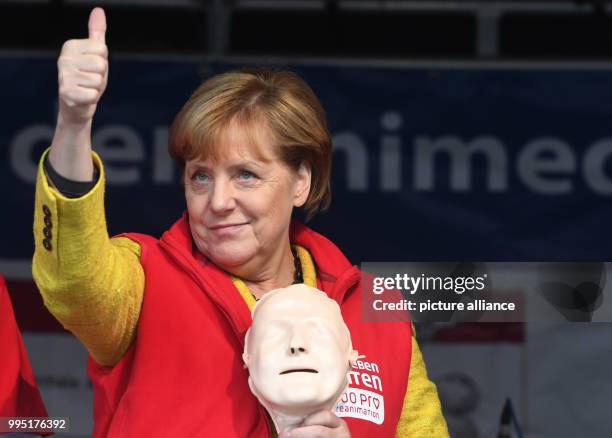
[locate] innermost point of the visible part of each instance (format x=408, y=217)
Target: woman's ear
x=302, y=185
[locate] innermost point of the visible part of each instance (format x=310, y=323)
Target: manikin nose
x=297, y=344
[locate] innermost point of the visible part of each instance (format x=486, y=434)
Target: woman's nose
x=222, y=199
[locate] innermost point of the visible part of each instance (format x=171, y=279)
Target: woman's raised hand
x=82, y=78
x=83, y=71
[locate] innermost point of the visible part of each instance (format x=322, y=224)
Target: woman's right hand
x=82, y=72
x=82, y=78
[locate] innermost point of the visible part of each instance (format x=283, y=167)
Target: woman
x=164, y=320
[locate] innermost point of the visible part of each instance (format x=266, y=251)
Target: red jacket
x=19, y=394
x=184, y=375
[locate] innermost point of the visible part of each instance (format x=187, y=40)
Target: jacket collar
x=334, y=271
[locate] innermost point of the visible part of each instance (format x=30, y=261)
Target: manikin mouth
x=300, y=370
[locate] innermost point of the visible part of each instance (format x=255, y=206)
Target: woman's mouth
x=226, y=230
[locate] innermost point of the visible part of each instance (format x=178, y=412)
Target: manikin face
x=298, y=350
x=240, y=205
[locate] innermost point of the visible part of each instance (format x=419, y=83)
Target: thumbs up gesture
x=83, y=73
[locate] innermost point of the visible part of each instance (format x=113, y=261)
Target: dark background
x=467, y=30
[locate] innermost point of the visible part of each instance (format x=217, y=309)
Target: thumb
x=97, y=25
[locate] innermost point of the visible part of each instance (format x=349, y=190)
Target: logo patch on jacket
x=364, y=397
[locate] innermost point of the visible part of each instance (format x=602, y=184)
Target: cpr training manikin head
x=298, y=352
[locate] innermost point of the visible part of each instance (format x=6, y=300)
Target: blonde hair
x=278, y=100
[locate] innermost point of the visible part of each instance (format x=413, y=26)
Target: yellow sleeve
x=421, y=414
x=92, y=284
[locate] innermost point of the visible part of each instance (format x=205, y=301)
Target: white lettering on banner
x=120, y=146
x=544, y=158
x=359, y=403
x=357, y=160
x=544, y=165
x=460, y=154
x=163, y=166
x=391, y=153
x=593, y=167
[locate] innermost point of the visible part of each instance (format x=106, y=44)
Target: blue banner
x=430, y=162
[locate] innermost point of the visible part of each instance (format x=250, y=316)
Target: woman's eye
x=246, y=175
x=200, y=176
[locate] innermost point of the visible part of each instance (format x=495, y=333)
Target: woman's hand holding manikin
x=320, y=424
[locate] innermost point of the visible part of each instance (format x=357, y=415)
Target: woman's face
x=240, y=205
